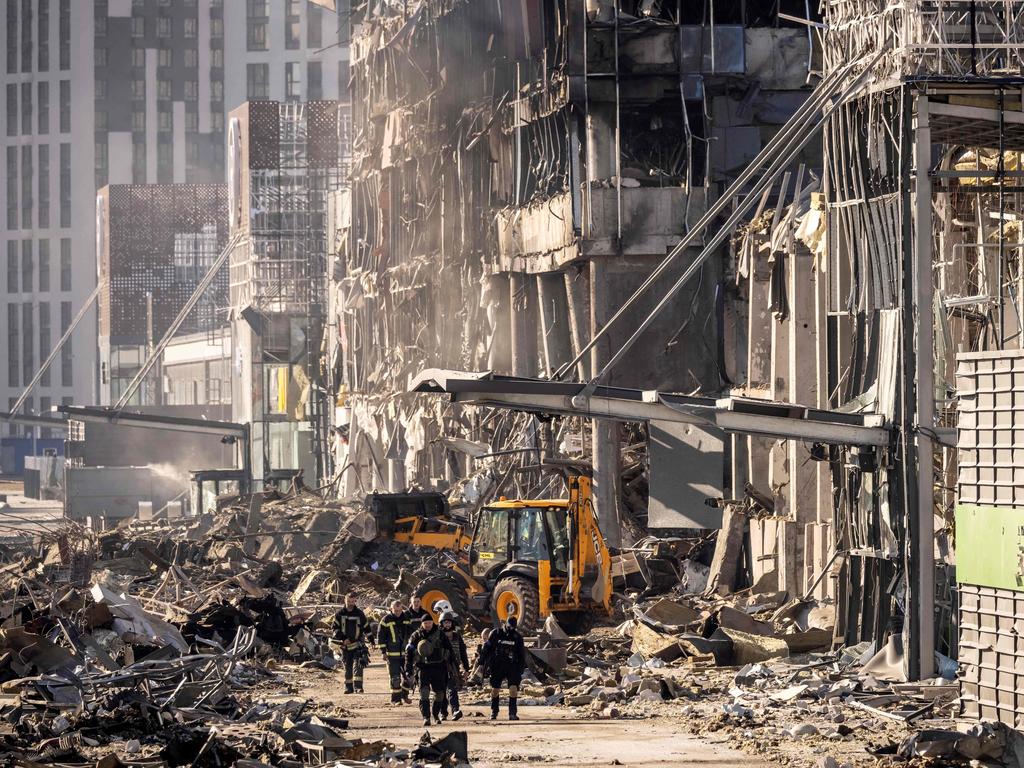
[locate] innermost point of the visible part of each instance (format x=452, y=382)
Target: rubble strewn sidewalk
x=167, y=644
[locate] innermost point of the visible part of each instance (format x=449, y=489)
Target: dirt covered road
x=550, y=735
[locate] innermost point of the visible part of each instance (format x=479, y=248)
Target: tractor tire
x=518, y=594
x=434, y=588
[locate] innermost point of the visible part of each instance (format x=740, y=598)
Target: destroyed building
x=859, y=181
x=517, y=173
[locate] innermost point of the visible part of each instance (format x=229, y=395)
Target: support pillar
x=554, y=318
x=577, y=290
x=922, y=518
x=605, y=433
x=499, y=357
x=396, y=475
x=600, y=141
x=803, y=354
x=523, y=307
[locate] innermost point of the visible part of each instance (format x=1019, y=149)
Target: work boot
x=513, y=709
x=456, y=715
x=359, y=689
x=348, y=688
x=494, y=708
x=426, y=722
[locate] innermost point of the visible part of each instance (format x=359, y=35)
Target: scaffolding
x=935, y=39
x=278, y=270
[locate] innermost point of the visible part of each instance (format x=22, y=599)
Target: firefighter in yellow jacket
x=350, y=625
x=391, y=639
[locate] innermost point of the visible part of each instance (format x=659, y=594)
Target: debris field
x=202, y=641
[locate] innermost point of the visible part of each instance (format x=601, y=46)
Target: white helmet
x=442, y=606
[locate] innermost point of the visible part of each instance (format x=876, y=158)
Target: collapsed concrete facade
x=517, y=174
x=513, y=183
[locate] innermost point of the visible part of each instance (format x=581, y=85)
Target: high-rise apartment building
x=124, y=92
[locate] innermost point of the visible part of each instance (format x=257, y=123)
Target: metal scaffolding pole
x=56, y=350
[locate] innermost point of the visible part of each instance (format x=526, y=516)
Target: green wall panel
x=990, y=546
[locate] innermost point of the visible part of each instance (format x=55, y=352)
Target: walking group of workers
x=431, y=656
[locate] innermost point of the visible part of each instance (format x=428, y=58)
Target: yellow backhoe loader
x=528, y=557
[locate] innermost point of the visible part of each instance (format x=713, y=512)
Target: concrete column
x=523, y=304
x=499, y=357
x=600, y=141
x=779, y=475
x=396, y=476
x=605, y=434
x=923, y=539
x=554, y=317
x=803, y=389
x=577, y=290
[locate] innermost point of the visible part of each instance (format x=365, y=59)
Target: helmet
x=449, y=616
x=423, y=649
x=442, y=607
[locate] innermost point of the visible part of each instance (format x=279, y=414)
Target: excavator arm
x=590, y=572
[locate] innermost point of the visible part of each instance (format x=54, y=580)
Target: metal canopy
x=34, y=421
x=730, y=414
x=157, y=421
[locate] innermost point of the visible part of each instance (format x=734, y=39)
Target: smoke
x=170, y=474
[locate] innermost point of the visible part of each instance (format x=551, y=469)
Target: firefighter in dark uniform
x=391, y=638
x=412, y=616
x=458, y=666
x=429, y=653
x=504, y=659
x=350, y=625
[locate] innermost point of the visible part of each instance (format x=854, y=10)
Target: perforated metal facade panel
x=161, y=239
x=990, y=485
x=990, y=424
x=992, y=653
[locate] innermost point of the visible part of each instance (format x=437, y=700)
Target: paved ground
x=551, y=735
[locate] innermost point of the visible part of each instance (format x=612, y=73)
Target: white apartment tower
x=103, y=92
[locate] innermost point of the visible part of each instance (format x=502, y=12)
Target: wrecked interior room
x=476, y=382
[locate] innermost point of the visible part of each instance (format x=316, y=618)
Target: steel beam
x=154, y=420
x=733, y=415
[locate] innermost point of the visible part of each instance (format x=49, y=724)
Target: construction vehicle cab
x=530, y=558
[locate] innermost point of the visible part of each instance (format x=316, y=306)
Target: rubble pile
x=155, y=643
x=177, y=643
x=93, y=677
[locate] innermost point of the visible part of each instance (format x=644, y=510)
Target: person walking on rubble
x=412, y=616
x=458, y=666
x=504, y=658
x=350, y=625
x=429, y=652
x=391, y=638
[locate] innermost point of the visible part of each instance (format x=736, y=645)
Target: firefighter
x=504, y=659
x=429, y=653
x=391, y=638
x=458, y=667
x=350, y=625
x=412, y=616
